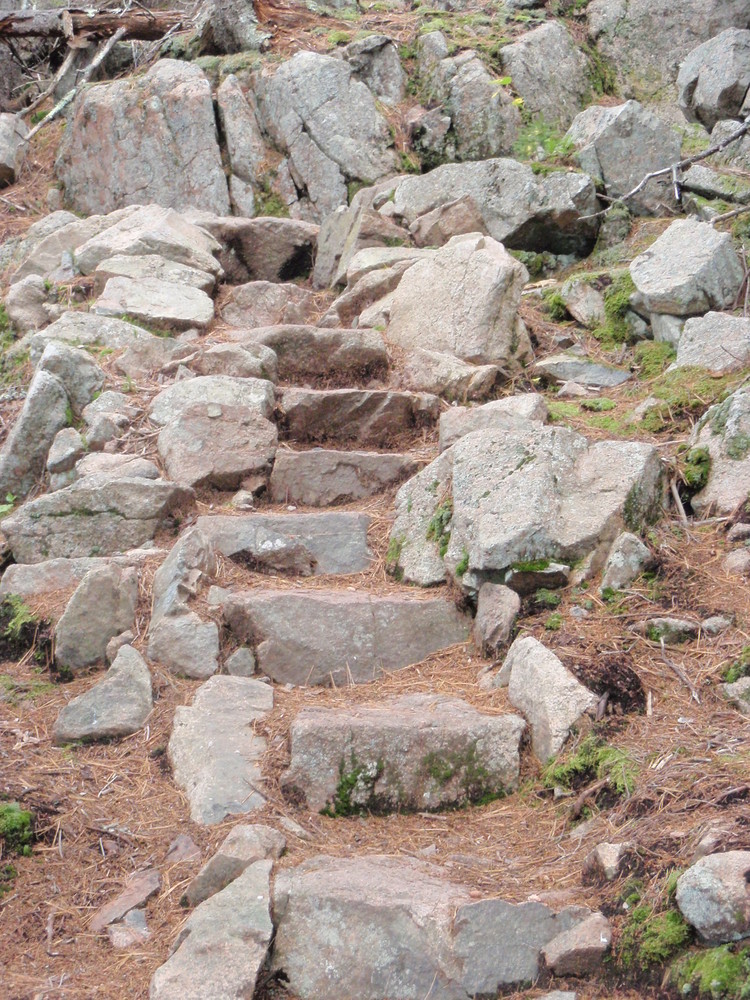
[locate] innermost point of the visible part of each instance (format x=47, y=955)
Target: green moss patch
x=614, y=329
x=722, y=972
x=593, y=760
x=651, y=938
x=16, y=829
x=21, y=630
x=438, y=528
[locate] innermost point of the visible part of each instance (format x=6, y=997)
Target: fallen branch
x=680, y=673
x=83, y=26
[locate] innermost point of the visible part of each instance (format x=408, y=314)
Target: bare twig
x=680, y=673
x=678, y=502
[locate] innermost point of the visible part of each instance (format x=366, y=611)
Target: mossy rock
x=16, y=829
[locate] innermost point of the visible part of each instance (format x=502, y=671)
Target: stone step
x=368, y=417
x=304, y=544
x=322, y=477
x=340, y=637
x=310, y=352
x=417, y=752
x=214, y=752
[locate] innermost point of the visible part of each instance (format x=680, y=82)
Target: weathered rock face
x=714, y=78
x=461, y=420
x=483, y=119
x=497, y=608
x=164, y=304
x=224, y=942
x=719, y=342
x=24, y=453
x=548, y=695
x=549, y=72
x=220, y=390
x=102, y=606
x=264, y=303
x=725, y=431
x=524, y=492
x=646, y=40
x=418, y=752
x=619, y=146
x=118, y=705
x=690, y=269
x=304, y=352
x=520, y=209
x=627, y=559
x=13, y=132
x=231, y=26
x=306, y=544
x=375, y=61
x=714, y=896
x=94, y=516
x=464, y=301
x=166, y=148
x=321, y=478
x=213, y=750
x=298, y=637
x=265, y=249
x=326, y=121
x=448, y=376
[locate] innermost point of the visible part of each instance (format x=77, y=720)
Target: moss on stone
x=722, y=972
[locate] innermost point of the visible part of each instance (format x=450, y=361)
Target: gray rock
x=671, y=630
x=108, y=417
x=209, y=444
x=717, y=185
x=102, y=606
x=739, y=694
x=627, y=559
x=453, y=218
x=521, y=210
x=266, y=303
x=94, y=516
x=326, y=121
x=65, y=451
x=569, y=368
x=164, y=304
x=152, y=266
x=369, y=417
x=24, y=453
x=302, y=544
x=191, y=563
x=448, y=376
x=459, y=420
x=232, y=26
x=88, y=330
x=307, y=352
x=375, y=61
x=549, y=72
x=607, y=860
x=224, y=943
x=117, y=466
x=241, y=663
x=468, y=296
x=414, y=753
x=185, y=644
x=497, y=610
x=214, y=752
x=717, y=341
x=519, y=493
x=714, y=78
x=139, y=887
x=646, y=40
x=584, y=302
x=365, y=295
x=377, y=258
x=725, y=431
x=217, y=390
x=26, y=579
x=79, y=374
x=25, y=304
x=265, y=249
x=116, y=643
x=484, y=120
x=713, y=895
x=149, y=230
x=298, y=637
x=690, y=269
x=667, y=329
x=244, y=360
x=246, y=149
x=322, y=478
x=116, y=706
x=736, y=154
x=245, y=845
x=146, y=138
x=581, y=950
x=620, y=145
x=548, y=695
x=13, y=132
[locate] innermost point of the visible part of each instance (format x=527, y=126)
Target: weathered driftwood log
x=75, y=24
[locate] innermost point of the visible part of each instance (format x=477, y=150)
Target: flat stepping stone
x=308, y=351
x=568, y=368
x=165, y=304
x=324, y=637
x=214, y=752
x=371, y=417
x=152, y=266
x=321, y=478
x=222, y=390
x=417, y=752
x=304, y=544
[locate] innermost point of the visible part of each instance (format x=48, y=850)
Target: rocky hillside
x=374, y=485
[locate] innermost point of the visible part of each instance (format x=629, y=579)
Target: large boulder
x=645, y=41
x=620, y=145
x=714, y=78
x=417, y=752
x=375, y=61
x=148, y=138
x=714, y=896
x=326, y=121
x=724, y=430
x=520, y=209
x=464, y=301
x=719, y=342
x=549, y=72
x=517, y=493
x=690, y=269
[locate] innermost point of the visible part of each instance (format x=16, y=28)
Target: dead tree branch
x=81, y=26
